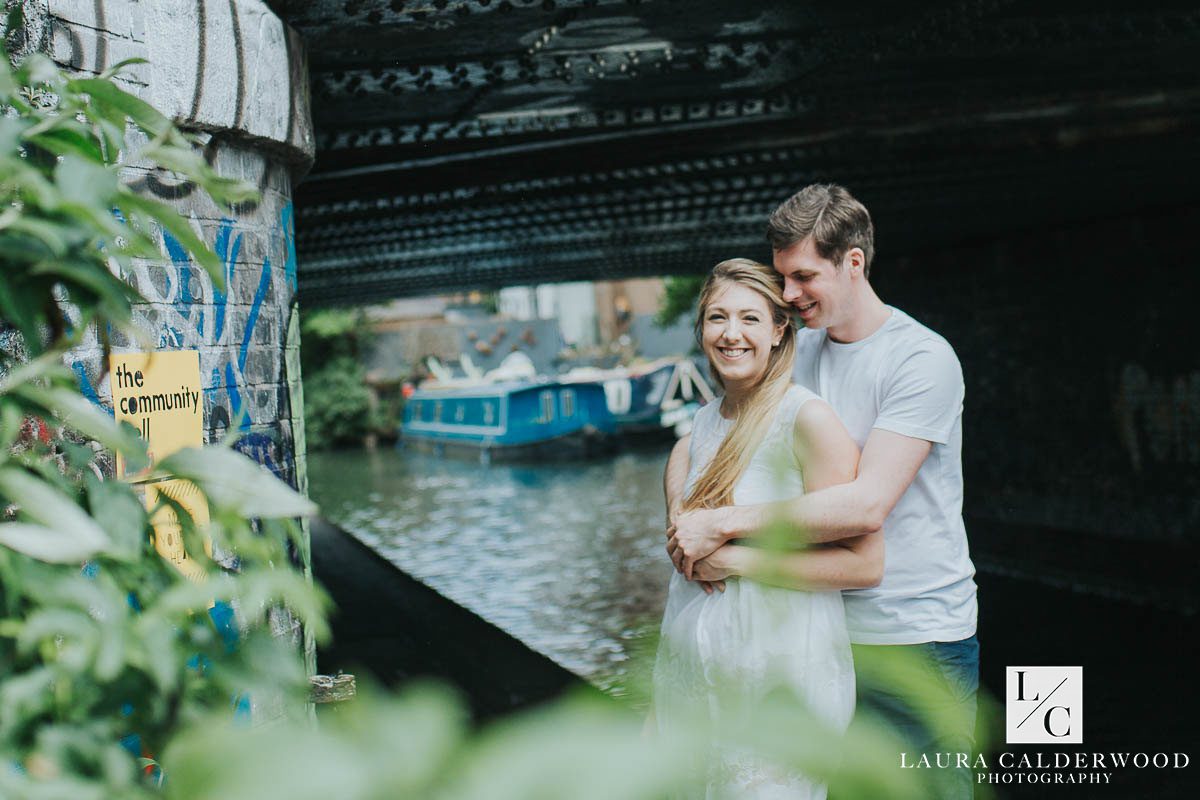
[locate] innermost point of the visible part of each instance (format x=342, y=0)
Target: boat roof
x=482, y=389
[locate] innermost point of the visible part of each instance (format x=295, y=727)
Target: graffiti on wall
x=240, y=331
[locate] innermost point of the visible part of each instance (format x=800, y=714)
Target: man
x=898, y=388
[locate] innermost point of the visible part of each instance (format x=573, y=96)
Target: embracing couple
x=844, y=434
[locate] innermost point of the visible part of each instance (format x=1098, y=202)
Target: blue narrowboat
x=513, y=419
x=650, y=400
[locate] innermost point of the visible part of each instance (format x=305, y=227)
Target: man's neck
x=868, y=316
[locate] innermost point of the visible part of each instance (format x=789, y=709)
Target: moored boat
x=660, y=397
x=510, y=419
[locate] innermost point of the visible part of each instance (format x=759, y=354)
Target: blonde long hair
x=714, y=488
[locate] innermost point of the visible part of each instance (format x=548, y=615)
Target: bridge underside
x=481, y=143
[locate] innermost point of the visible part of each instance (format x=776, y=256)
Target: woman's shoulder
x=794, y=400
x=707, y=418
x=804, y=411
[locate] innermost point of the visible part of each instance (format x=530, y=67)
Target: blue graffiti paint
x=85, y=386
x=180, y=258
x=241, y=710
x=170, y=337
x=235, y=398
x=225, y=622
x=264, y=283
x=228, y=253
x=133, y=744
x=260, y=447
x=289, y=243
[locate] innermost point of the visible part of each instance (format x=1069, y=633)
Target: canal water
x=567, y=556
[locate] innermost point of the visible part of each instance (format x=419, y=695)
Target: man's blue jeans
x=941, y=718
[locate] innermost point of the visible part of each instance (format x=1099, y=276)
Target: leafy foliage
x=679, y=298
x=337, y=402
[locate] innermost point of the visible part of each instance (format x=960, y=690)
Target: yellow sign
x=160, y=395
x=168, y=533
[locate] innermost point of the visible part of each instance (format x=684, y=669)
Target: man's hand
x=716, y=567
x=693, y=536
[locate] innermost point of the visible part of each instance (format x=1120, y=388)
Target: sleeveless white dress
x=721, y=654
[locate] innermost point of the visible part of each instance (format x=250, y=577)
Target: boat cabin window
x=417, y=416
x=567, y=400
x=489, y=413
x=460, y=412
x=547, y=399
x=437, y=411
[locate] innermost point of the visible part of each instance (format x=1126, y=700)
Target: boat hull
x=511, y=421
x=568, y=446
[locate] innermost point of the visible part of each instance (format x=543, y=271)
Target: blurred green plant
x=337, y=400
x=680, y=293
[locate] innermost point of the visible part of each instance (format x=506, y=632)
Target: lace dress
x=721, y=654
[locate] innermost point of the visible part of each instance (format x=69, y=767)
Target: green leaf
x=58, y=238
x=238, y=484
x=111, y=97
x=117, y=509
x=120, y=65
x=189, y=163
x=113, y=294
x=178, y=227
x=19, y=306
x=43, y=367
x=33, y=186
x=23, y=696
x=81, y=415
x=10, y=427
x=38, y=68
x=55, y=546
x=89, y=185
x=48, y=505
x=10, y=134
x=273, y=587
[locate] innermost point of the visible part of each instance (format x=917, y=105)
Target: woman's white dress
x=721, y=654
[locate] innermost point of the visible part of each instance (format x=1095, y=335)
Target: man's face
x=817, y=288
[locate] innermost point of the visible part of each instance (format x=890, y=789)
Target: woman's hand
x=716, y=567
x=694, y=535
x=707, y=586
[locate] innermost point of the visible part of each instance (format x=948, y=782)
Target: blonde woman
x=775, y=619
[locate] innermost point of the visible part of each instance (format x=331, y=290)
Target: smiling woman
x=775, y=626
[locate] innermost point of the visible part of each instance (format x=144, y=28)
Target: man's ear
x=855, y=260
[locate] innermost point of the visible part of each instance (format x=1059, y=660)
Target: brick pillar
x=232, y=72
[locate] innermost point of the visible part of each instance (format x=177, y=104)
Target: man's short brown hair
x=830, y=216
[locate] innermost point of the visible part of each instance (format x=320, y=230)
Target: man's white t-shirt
x=906, y=379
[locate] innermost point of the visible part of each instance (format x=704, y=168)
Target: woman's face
x=737, y=334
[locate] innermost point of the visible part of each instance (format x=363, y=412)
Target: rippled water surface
x=567, y=557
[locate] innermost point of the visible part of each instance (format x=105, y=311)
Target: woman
x=777, y=622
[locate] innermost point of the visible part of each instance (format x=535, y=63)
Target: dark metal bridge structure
x=481, y=143
x=1031, y=167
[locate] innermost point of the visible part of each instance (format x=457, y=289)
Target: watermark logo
x=1044, y=705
